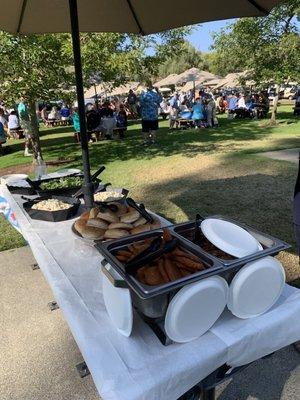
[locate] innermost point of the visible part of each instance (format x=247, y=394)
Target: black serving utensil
x=30, y=199
x=132, y=266
x=197, y=237
x=93, y=179
x=140, y=208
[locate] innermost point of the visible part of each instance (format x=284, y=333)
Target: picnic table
x=140, y=367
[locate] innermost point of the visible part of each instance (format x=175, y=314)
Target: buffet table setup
x=157, y=308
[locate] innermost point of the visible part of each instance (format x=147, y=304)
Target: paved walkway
x=38, y=353
x=291, y=155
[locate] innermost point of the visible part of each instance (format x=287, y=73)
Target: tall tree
x=187, y=56
x=269, y=47
x=31, y=67
x=38, y=66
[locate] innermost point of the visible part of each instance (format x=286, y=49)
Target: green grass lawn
x=189, y=171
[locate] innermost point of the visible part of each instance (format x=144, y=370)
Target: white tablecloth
x=140, y=367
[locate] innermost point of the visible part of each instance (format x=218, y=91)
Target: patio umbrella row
x=125, y=16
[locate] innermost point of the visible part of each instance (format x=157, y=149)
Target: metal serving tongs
x=150, y=254
x=93, y=178
x=141, y=209
x=197, y=237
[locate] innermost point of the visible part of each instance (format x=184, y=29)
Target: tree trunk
x=275, y=106
x=34, y=130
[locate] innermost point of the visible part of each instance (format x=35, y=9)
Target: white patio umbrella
x=127, y=16
x=168, y=80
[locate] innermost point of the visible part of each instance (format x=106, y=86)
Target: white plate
x=256, y=288
x=118, y=305
x=229, y=237
x=195, y=308
x=14, y=178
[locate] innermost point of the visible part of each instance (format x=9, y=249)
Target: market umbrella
x=198, y=80
x=127, y=16
x=168, y=80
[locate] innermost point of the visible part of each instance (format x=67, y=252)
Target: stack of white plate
x=257, y=286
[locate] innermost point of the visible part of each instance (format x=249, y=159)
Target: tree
x=39, y=66
x=187, y=56
x=32, y=67
x=268, y=47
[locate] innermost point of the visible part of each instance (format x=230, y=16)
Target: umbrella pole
x=88, y=186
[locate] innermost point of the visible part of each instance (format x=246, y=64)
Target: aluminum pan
x=145, y=291
x=272, y=245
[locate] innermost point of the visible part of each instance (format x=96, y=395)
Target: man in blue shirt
x=149, y=103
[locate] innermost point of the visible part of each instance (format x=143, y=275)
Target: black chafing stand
x=206, y=389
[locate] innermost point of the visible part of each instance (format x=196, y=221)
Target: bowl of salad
x=65, y=186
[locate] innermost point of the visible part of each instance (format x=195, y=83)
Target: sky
x=201, y=37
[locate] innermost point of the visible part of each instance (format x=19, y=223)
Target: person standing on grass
x=149, y=102
x=2, y=137
x=3, y=120
x=173, y=110
x=198, y=113
x=121, y=118
x=25, y=125
x=132, y=103
x=76, y=123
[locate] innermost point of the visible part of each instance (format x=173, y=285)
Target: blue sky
x=201, y=37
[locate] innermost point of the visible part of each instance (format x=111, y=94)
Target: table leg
x=208, y=394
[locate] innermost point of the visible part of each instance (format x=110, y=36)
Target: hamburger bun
x=115, y=233
x=140, y=229
x=85, y=215
x=90, y=232
x=156, y=223
x=140, y=221
x=80, y=225
x=120, y=225
x=97, y=223
x=108, y=216
x=130, y=217
x=122, y=209
x=94, y=212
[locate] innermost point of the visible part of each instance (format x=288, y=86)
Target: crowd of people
x=108, y=118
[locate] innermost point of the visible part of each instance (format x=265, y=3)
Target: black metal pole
x=88, y=186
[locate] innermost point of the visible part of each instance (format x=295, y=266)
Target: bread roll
x=94, y=212
x=155, y=224
x=122, y=209
x=120, y=225
x=98, y=223
x=85, y=215
x=130, y=217
x=108, y=216
x=140, y=221
x=90, y=232
x=80, y=225
x=115, y=233
x=140, y=229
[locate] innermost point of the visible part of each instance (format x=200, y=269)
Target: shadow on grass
x=189, y=143
x=259, y=200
